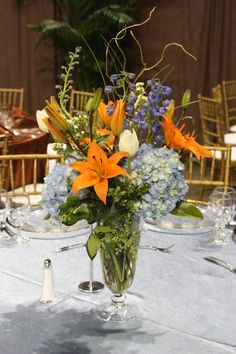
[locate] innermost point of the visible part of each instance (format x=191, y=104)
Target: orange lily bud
x=102, y=111
x=53, y=111
x=118, y=117
x=58, y=135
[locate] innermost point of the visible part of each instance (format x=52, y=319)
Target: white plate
x=173, y=224
x=48, y=229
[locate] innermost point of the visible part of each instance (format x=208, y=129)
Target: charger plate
x=47, y=229
x=173, y=224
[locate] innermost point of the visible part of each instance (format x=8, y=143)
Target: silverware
x=221, y=263
x=69, y=247
x=155, y=248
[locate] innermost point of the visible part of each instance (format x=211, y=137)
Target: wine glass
x=18, y=213
x=231, y=191
x=3, y=214
x=219, y=209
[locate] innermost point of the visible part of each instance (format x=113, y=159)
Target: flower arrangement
x=123, y=155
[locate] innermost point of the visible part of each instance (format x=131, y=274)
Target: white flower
x=129, y=142
x=40, y=115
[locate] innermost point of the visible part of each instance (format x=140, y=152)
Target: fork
x=155, y=248
x=222, y=263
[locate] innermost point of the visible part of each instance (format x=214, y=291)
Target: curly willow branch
x=162, y=57
x=120, y=35
x=140, y=48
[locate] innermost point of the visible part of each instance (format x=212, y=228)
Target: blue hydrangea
x=57, y=187
x=163, y=171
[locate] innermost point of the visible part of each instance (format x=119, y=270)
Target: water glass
x=219, y=209
x=19, y=208
x=3, y=214
x=232, y=192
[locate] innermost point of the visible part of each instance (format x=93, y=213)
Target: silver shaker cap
x=47, y=263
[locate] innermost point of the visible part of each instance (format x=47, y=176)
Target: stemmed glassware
x=219, y=209
x=18, y=213
x=231, y=191
x=3, y=214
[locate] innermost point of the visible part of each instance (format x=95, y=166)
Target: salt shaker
x=48, y=293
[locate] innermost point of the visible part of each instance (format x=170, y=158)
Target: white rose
x=40, y=115
x=129, y=142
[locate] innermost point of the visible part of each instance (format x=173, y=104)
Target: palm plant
x=86, y=23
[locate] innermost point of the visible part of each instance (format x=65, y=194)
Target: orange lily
x=118, y=117
x=175, y=138
x=115, y=122
x=57, y=133
x=102, y=111
x=100, y=132
x=97, y=170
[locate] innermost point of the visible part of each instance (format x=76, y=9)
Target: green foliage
x=188, y=210
x=86, y=22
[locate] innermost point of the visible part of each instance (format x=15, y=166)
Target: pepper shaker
x=48, y=293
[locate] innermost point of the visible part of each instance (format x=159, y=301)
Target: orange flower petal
x=80, y=166
x=101, y=189
x=85, y=180
x=116, y=157
x=102, y=111
x=114, y=170
x=118, y=117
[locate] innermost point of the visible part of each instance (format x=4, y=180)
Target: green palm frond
x=61, y=32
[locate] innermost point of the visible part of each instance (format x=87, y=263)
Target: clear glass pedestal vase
x=118, y=265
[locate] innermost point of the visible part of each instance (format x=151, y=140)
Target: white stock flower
x=129, y=142
x=40, y=115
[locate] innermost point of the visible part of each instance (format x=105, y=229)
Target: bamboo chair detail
x=4, y=139
x=229, y=100
x=211, y=119
x=78, y=101
x=217, y=93
x=209, y=172
x=11, y=97
x=28, y=162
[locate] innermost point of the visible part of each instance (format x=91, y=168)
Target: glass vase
x=118, y=266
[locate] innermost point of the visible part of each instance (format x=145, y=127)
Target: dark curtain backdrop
x=22, y=64
x=206, y=28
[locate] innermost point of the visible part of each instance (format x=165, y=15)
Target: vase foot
x=91, y=287
x=123, y=316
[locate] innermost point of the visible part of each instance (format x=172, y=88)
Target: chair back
x=20, y=167
x=209, y=172
x=217, y=93
x=229, y=99
x=4, y=139
x=11, y=97
x=78, y=101
x=212, y=122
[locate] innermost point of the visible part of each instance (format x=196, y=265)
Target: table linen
x=187, y=303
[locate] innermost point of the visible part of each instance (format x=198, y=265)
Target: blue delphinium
x=163, y=171
x=57, y=187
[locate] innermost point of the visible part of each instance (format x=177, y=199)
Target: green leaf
x=186, y=99
x=188, y=210
x=46, y=217
x=92, y=245
x=102, y=229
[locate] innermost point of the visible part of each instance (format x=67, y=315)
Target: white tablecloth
x=187, y=304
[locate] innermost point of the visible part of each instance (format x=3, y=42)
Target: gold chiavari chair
x=78, y=100
x=229, y=101
x=209, y=172
x=4, y=138
x=211, y=120
x=11, y=97
x=34, y=165
x=217, y=92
